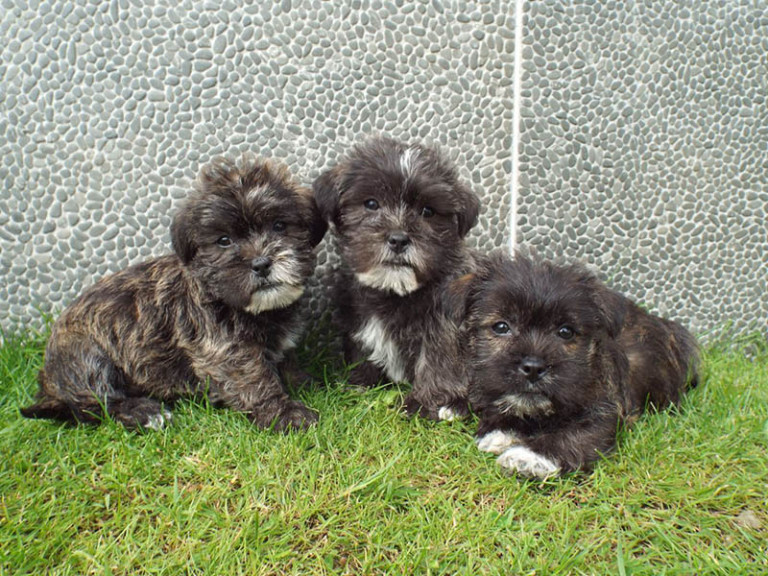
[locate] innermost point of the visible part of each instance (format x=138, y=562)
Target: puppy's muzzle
x=532, y=368
x=261, y=266
x=398, y=241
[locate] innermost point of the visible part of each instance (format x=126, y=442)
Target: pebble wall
x=644, y=151
x=109, y=108
x=644, y=139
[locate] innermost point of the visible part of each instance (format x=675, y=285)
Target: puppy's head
x=247, y=233
x=399, y=211
x=542, y=338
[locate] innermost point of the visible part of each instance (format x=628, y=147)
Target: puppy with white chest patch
x=219, y=314
x=559, y=362
x=400, y=215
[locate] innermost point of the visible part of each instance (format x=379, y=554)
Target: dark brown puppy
x=560, y=361
x=220, y=313
x=400, y=215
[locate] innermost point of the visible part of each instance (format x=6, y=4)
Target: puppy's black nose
x=261, y=265
x=533, y=368
x=398, y=241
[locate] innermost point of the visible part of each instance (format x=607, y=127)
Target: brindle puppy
x=219, y=314
x=400, y=215
x=560, y=361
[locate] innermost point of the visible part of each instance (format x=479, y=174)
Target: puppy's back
x=663, y=359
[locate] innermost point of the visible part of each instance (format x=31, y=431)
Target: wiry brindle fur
x=560, y=361
x=221, y=312
x=400, y=215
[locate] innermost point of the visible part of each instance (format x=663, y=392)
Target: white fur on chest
x=381, y=348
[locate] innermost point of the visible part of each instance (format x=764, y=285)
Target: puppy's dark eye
x=427, y=212
x=224, y=242
x=279, y=226
x=371, y=204
x=565, y=332
x=501, y=328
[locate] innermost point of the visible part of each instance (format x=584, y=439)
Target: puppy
x=218, y=315
x=560, y=361
x=400, y=215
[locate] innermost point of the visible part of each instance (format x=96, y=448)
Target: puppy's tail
x=47, y=408
x=688, y=355
x=54, y=408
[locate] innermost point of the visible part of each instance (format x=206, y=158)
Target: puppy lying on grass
x=559, y=361
x=221, y=312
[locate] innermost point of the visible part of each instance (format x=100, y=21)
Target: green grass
x=368, y=491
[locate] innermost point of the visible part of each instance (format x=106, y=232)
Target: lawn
x=370, y=492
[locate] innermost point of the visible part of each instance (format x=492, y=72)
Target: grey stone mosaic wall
x=644, y=143
x=645, y=150
x=108, y=109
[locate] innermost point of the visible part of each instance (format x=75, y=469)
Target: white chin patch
x=521, y=405
x=526, y=462
x=401, y=279
x=497, y=441
x=274, y=297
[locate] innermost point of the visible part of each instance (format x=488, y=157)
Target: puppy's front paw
x=139, y=413
x=525, y=461
x=497, y=441
x=447, y=413
x=295, y=416
x=365, y=375
x=158, y=421
x=455, y=410
x=413, y=407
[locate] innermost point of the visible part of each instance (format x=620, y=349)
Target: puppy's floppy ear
x=182, y=234
x=326, y=188
x=614, y=308
x=457, y=297
x=612, y=305
x=470, y=209
x=462, y=293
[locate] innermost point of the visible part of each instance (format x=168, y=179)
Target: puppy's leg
x=241, y=379
x=574, y=447
x=364, y=374
x=81, y=383
x=440, y=384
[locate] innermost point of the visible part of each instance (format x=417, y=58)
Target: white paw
x=496, y=441
x=527, y=462
x=447, y=413
x=158, y=421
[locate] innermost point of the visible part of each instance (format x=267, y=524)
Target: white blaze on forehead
x=257, y=191
x=381, y=348
x=407, y=159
